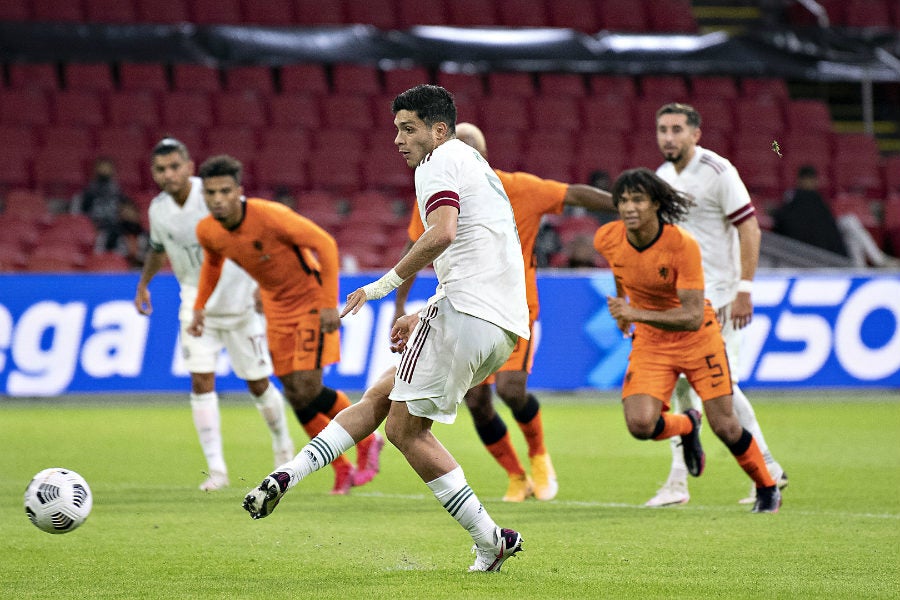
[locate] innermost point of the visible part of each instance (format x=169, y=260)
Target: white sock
x=455, y=495
x=205, y=408
x=271, y=407
x=747, y=418
x=319, y=452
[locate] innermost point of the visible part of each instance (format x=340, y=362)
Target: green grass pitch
x=152, y=534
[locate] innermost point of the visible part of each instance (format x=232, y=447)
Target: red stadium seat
x=760, y=172
x=722, y=88
x=522, y=13
x=548, y=165
x=24, y=107
x=607, y=113
x=562, y=84
x=468, y=85
x=645, y=155
x=15, y=10
x=304, y=79
x=93, y=77
x=276, y=13
x=856, y=175
x=868, y=13
x=106, y=262
x=110, y=11
x=316, y=12
x=75, y=230
x=295, y=111
x=560, y=111
x=346, y=111
x=33, y=76
x=23, y=233
x=504, y=148
x=186, y=108
x=51, y=10
x=194, y=78
x=422, y=12
x=276, y=169
x=295, y=142
x=143, y=76
x=572, y=227
x=216, y=12
x=76, y=139
x=763, y=87
x=612, y=86
x=138, y=107
x=26, y=205
x=580, y=15
x=674, y=16
x=239, y=142
x=378, y=13
x=714, y=114
x=170, y=11
x=472, y=13
x=243, y=109
x=386, y=170
x=12, y=257
x=673, y=87
x=511, y=84
x=503, y=112
x=329, y=170
x=79, y=107
x=856, y=146
x=809, y=115
x=351, y=79
x=400, y=80
x=18, y=140
x=622, y=15
x=55, y=258
x=59, y=173
x=760, y=116
x=892, y=174
x=252, y=78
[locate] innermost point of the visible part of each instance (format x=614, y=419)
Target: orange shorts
x=302, y=346
x=658, y=358
x=522, y=357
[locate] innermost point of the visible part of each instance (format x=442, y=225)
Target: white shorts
x=447, y=353
x=245, y=343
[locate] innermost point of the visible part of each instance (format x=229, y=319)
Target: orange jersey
x=651, y=276
x=294, y=261
x=531, y=198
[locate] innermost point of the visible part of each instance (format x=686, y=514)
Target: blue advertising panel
x=81, y=333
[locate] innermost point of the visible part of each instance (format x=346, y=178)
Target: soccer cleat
x=671, y=494
x=283, y=455
x=492, y=559
x=369, y=463
x=768, y=500
x=781, y=480
x=545, y=485
x=261, y=501
x=216, y=481
x=343, y=480
x=520, y=488
x=694, y=457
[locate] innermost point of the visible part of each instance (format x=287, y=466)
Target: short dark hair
x=168, y=145
x=807, y=171
x=677, y=108
x=673, y=205
x=431, y=103
x=221, y=166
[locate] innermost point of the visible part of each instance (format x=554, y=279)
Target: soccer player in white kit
x=232, y=320
x=724, y=223
x=465, y=332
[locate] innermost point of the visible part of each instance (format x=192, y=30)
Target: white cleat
x=508, y=543
x=216, y=481
x=671, y=494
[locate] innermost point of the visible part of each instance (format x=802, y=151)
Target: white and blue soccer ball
x=58, y=500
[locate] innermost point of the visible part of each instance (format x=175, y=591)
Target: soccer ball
x=58, y=500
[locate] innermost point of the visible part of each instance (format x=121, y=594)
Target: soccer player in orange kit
x=295, y=263
x=659, y=280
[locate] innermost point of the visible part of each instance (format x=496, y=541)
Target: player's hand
x=329, y=320
x=142, y=301
x=401, y=331
x=625, y=327
x=196, y=326
x=741, y=310
x=618, y=308
x=355, y=301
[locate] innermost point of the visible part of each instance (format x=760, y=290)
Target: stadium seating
x=34, y=76
x=24, y=107
x=622, y=15
x=520, y=85
x=143, y=76
x=557, y=111
x=106, y=262
x=304, y=78
x=295, y=111
x=714, y=88
x=352, y=79
x=133, y=108
x=808, y=115
x=190, y=108
x=170, y=11
x=522, y=13
x=580, y=15
x=51, y=10
x=400, y=80
x=673, y=16
x=227, y=12
x=250, y=78
x=668, y=88
x=571, y=85
x=378, y=13
x=275, y=13
x=196, y=78
x=472, y=13
x=868, y=13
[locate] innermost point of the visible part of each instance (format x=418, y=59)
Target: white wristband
x=745, y=286
x=384, y=286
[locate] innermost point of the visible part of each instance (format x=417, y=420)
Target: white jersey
x=722, y=203
x=173, y=229
x=481, y=273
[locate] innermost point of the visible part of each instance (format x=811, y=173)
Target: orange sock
x=753, y=463
x=316, y=425
x=533, y=431
x=505, y=454
x=674, y=425
x=340, y=404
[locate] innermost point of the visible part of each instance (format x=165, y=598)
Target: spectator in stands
x=113, y=213
x=805, y=216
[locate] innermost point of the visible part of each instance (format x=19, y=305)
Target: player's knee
x=728, y=429
x=639, y=427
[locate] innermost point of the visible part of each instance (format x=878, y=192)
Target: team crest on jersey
x=664, y=273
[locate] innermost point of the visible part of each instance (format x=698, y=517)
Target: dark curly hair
x=673, y=205
x=221, y=165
